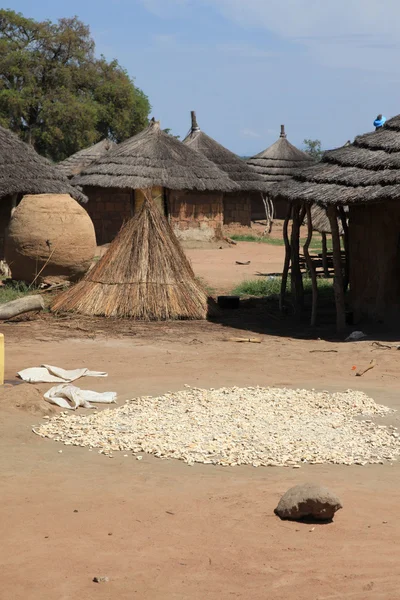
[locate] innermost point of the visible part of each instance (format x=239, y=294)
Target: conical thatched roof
x=227, y=161
x=24, y=171
x=154, y=158
x=280, y=161
x=74, y=164
x=320, y=220
x=368, y=170
x=143, y=275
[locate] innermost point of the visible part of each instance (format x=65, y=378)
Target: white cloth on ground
x=50, y=374
x=71, y=397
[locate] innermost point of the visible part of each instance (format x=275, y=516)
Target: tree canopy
x=56, y=94
x=313, y=148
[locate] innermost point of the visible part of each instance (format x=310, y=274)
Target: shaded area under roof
x=236, y=168
x=368, y=170
x=24, y=171
x=74, y=164
x=280, y=161
x=154, y=158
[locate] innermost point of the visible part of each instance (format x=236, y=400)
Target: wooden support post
x=325, y=255
x=346, y=248
x=296, y=276
x=338, y=276
x=311, y=267
x=286, y=264
x=14, y=198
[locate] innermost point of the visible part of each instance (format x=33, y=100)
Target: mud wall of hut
x=108, y=208
x=237, y=209
x=374, y=240
x=196, y=216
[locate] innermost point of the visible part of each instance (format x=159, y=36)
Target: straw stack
x=144, y=275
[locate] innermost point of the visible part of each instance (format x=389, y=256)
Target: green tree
x=313, y=148
x=56, y=94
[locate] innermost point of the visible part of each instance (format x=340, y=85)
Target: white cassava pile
x=234, y=426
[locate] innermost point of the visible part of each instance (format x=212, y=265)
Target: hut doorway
x=158, y=195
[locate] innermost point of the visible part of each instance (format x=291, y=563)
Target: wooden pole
x=296, y=276
x=325, y=255
x=346, y=248
x=286, y=264
x=311, y=267
x=14, y=198
x=338, y=276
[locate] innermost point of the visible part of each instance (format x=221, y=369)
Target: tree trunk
x=296, y=276
x=20, y=306
x=346, y=248
x=286, y=264
x=311, y=268
x=338, y=276
x=325, y=255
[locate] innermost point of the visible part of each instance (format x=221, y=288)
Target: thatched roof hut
x=144, y=275
x=187, y=187
x=237, y=169
x=74, y=164
x=365, y=176
x=24, y=171
x=280, y=161
x=366, y=171
x=154, y=158
x=277, y=163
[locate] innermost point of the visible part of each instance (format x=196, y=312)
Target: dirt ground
x=161, y=530
x=219, y=268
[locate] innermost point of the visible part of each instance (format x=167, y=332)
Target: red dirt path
x=180, y=532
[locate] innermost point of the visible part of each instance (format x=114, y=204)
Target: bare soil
x=161, y=530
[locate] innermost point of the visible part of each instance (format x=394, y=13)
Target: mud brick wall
x=196, y=216
x=108, y=208
x=237, y=209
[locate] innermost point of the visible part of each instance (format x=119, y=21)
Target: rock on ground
x=308, y=500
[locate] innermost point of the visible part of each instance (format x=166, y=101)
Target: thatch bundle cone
x=144, y=275
x=51, y=237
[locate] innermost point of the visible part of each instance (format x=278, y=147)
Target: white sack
x=71, y=397
x=49, y=374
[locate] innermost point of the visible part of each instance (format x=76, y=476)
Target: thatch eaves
x=280, y=161
x=74, y=164
x=154, y=158
x=236, y=168
x=24, y=171
x=368, y=170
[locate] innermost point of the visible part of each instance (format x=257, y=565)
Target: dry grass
x=144, y=275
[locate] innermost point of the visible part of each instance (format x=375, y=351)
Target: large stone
x=308, y=500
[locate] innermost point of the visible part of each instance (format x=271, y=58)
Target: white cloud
x=338, y=33
x=249, y=133
x=245, y=51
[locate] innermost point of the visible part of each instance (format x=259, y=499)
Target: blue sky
x=324, y=68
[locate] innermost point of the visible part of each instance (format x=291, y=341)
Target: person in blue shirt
x=379, y=122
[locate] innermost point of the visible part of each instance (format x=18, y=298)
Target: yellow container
x=1, y=359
